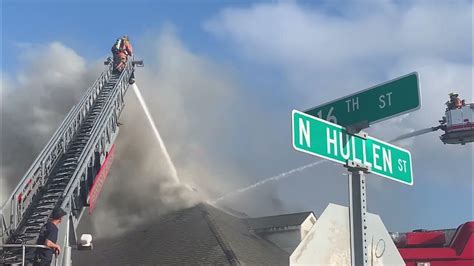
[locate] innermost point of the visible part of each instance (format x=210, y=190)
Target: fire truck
x=437, y=247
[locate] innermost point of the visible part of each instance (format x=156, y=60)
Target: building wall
x=307, y=225
x=287, y=240
x=289, y=237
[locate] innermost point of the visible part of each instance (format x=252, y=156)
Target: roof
x=198, y=235
x=292, y=219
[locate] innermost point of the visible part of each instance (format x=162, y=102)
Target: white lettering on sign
x=378, y=157
x=331, y=141
x=355, y=159
x=320, y=114
x=335, y=143
x=385, y=100
x=352, y=104
x=329, y=117
x=344, y=145
x=364, y=155
x=402, y=165
x=375, y=149
x=304, y=132
x=387, y=160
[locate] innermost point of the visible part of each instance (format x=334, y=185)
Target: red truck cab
x=438, y=247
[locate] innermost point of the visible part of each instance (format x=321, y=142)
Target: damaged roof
x=198, y=235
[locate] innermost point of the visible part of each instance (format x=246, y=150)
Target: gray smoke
x=192, y=100
x=34, y=102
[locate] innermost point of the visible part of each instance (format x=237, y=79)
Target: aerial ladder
x=68, y=173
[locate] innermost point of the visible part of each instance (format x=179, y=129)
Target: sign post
x=360, y=154
x=338, y=138
x=358, y=213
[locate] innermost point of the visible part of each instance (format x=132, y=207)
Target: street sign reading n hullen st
x=381, y=102
x=340, y=142
x=318, y=137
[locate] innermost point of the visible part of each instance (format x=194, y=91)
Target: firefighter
x=121, y=50
x=48, y=237
x=454, y=101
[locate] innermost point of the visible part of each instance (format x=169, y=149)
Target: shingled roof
x=198, y=235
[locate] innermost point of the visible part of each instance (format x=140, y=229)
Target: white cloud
x=325, y=55
x=319, y=49
x=290, y=33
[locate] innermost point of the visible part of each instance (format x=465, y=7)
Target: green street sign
x=318, y=137
x=389, y=99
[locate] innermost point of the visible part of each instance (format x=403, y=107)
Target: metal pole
x=67, y=260
x=23, y=246
x=358, y=216
x=23, y=256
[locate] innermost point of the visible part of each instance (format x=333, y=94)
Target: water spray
x=170, y=163
x=416, y=133
x=270, y=179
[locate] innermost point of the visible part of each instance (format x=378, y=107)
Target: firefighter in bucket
x=121, y=50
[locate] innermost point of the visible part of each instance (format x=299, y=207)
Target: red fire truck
x=437, y=247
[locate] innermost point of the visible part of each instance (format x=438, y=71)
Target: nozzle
x=138, y=63
x=108, y=61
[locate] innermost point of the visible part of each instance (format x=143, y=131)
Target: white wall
x=328, y=242
x=307, y=225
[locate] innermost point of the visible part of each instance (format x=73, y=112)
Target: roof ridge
x=278, y=215
x=225, y=246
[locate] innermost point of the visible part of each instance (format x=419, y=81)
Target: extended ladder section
x=65, y=171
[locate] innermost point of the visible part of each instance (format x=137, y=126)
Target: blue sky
x=89, y=28
x=255, y=62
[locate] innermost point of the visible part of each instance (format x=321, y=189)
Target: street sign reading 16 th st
x=330, y=141
x=389, y=99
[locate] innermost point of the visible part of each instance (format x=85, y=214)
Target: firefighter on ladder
x=121, y=50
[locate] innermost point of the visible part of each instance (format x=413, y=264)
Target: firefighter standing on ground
x=121, y=50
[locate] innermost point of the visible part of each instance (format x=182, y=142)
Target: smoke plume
x=34, y=102
x=192, y=100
